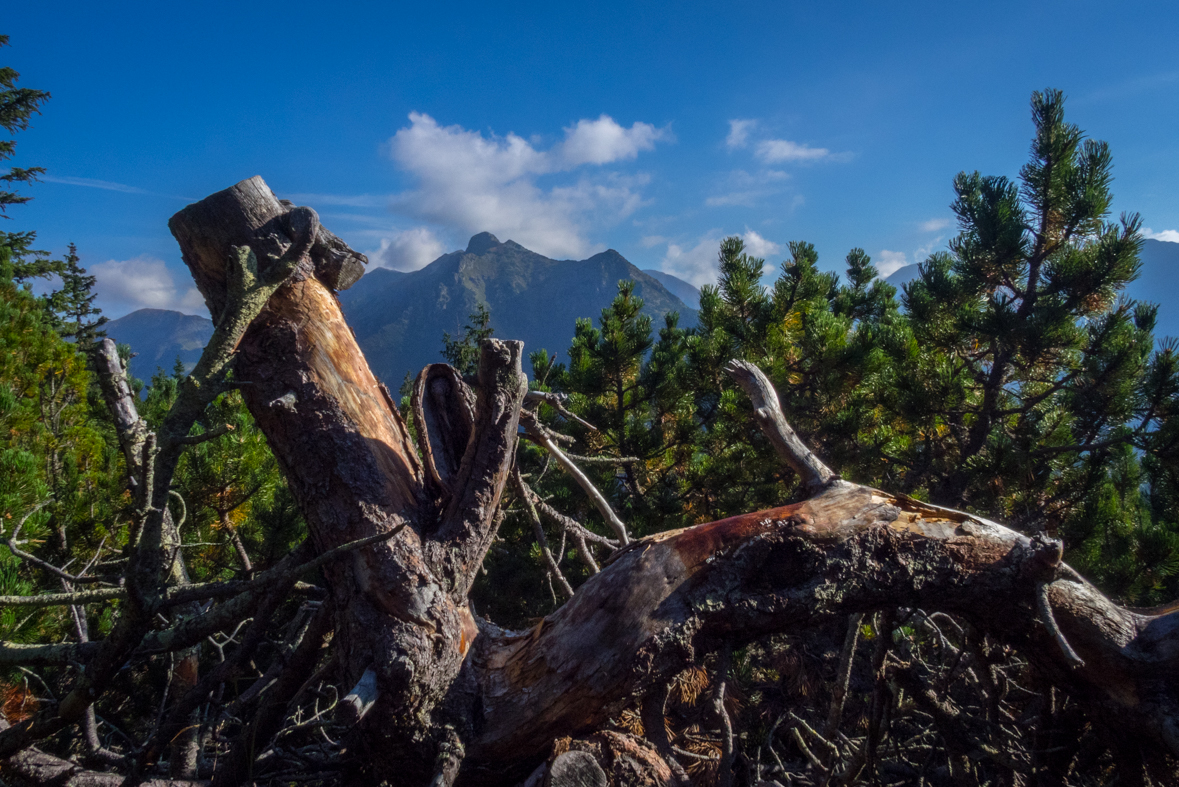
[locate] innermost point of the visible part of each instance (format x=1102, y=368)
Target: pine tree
x=605, y=366
x=1025, y=371
x=60, y=471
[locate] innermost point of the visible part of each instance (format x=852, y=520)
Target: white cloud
x=773, y=151
x=739, y=133
x=696, y=265
x=889, y=262
x=699, y=265
x=603, y=141
x=408, y=251
x=1171, y=236
x=757, y=246
x=933, y=225
x=469, y=183
x=142, y=283
x=647, y=241
x=748, y=188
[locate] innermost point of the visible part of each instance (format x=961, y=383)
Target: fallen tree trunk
x=456, y=699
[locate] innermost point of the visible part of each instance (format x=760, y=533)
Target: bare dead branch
x=557, y=402
x=532, y=426
x=358, y=702
x=63, y=599
x=468, y=522
x=551, y=566
x=724, y=663
x=204, y=437
x=1044, y=608
x=572, y=526
x=34, y=768
x=116, y=391
x=604, y=460
x=443, y=408
x=201, y=591
x=13, y=542
x=843, y=674
x=768, y=412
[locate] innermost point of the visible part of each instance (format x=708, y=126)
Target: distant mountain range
x=399, y=318
x=1158, y=283
x=677, y=287
x=158, y=337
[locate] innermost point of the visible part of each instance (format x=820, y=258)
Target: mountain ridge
x=399, y=318
x=384, y=303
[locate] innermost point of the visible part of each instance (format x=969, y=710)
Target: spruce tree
x=73, y=305
x=17, y=107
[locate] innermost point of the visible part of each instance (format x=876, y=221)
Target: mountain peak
x=482, y=243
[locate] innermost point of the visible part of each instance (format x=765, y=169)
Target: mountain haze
x=399, y=318
x=158, y=337
x=1159, y=283
x=677, y=287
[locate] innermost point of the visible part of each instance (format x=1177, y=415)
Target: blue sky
x=651, y=128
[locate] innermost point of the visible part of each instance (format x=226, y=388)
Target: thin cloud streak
x=107, y=185
x=342, y=200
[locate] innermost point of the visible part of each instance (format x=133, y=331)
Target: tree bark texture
x=658, y=604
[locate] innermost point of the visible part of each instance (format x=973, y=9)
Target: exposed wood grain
x=575, y=769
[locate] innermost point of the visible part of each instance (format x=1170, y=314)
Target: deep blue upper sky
x=651, y=128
